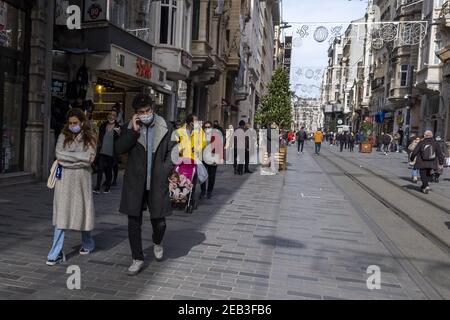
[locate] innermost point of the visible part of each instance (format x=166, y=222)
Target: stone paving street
x=290, y=236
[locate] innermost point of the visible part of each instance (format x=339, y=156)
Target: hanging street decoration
x=321, y=34
x=379, y=33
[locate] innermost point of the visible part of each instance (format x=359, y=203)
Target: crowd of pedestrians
x=148, y=142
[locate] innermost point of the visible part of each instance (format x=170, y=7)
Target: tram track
x=422, y=281
x=411, y=192
x=425, y=231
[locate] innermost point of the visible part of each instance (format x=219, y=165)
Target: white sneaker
x=158, y=250
x=414, y=179
x=135, y=268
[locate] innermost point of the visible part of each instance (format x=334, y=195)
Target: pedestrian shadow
x=276, y=241
x=104, y=240
x=178, y=243
x=413, y=187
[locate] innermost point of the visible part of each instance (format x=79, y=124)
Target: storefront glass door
x=11, y=93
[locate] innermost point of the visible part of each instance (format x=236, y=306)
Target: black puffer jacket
x=427, y=164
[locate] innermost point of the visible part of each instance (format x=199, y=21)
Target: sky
x=309, y=57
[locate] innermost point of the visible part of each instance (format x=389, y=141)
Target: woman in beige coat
x=73, y=206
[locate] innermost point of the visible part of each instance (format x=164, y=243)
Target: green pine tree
x=276, y=104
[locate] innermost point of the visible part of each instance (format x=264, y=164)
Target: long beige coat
x=73, y=204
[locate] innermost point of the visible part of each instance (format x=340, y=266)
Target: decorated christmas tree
x=276, y=104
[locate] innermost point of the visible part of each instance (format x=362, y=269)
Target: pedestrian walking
x=240, y=131
x=341, y=140
x=444, y=149
x=301, y=137
x=386, y=140
x=351, y=142
x=428, y=156
x=146, y=139
x=73, y=205
x=106, y=153
x=411, y=146
x=207, y=187
x=401, y=134
x=318, y=138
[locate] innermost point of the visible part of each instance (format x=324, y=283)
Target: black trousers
x=115, y=169
x=135, y=230
x=425, y=175
x=211, y=178
x=105, y=166
x=135, y=234
x=300, y=145
x=342, y=146
x=247, y=160
x=239, y=168
x=351, y=146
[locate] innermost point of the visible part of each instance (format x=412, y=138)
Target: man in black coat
x=147, y=141
x=238, y=166
x=108, y=134
x=428, y=156
x=301, y=137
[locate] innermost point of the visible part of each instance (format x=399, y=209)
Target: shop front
x=118, y=76
x=14, y=60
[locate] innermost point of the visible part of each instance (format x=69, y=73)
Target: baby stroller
x=182, y=185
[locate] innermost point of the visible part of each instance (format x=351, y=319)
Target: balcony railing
x=143, y=33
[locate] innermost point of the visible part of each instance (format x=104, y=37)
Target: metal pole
x=408, y=105
x=48, y=87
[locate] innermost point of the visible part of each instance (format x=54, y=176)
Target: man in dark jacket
x=342, y=140
x=428, y=156
x=147, y=141
x=108, y=134
x=238, y=150
x=301, y=137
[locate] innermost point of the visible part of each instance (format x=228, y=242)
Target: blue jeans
x=58, y=242
x=318, y=145
x=415, y=173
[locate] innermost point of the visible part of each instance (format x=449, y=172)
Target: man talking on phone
x=147, y=141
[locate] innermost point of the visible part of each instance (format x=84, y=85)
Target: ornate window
x=167, y=31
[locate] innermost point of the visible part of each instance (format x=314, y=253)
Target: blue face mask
x=75, y=129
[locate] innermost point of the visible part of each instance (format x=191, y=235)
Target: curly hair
x=86, y=130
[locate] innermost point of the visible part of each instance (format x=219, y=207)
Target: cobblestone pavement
x=290, y=236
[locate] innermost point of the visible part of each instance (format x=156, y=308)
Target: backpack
x=427, y=151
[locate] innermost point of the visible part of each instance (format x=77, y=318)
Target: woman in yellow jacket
x=318, y=138
x=191, y=139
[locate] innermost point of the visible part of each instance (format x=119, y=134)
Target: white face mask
x=146, y=119
x=197, y=125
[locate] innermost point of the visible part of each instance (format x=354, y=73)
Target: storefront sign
x=95, y=10
x=125, y=62
x=143, y=68
x=186, y=60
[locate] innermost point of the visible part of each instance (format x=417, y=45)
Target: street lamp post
x=408, y=105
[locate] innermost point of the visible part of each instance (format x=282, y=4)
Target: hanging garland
x=380, y=33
